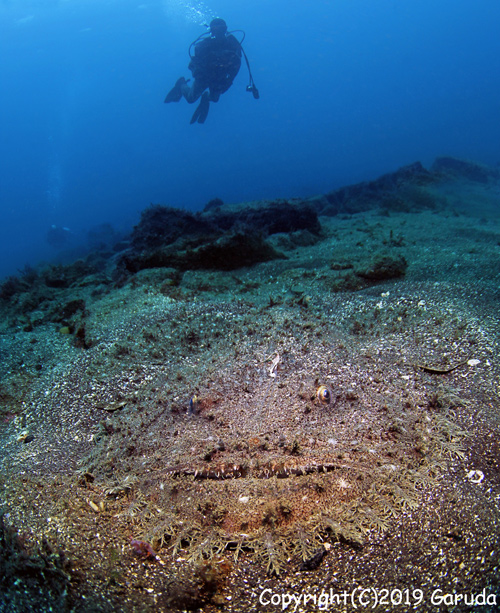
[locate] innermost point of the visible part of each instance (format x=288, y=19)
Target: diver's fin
x=175, y=94
x=205, y=105
x=196, y=114
x=201, y=111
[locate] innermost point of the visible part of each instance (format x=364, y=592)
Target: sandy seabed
x=294, y=433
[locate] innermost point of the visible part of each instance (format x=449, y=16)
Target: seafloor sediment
x=164, y=445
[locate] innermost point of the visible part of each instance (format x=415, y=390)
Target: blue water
x=350, y=89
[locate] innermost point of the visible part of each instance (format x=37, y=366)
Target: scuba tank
x=251, y=87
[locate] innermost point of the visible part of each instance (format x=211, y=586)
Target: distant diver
x=214, y=65
x=58, y=236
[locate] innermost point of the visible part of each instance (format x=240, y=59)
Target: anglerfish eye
x=324, y=394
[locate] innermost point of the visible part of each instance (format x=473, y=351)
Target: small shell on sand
x=324, y=394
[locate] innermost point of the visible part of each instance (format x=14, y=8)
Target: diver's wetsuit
x=215, y=63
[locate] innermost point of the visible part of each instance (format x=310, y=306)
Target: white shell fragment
x=93, y=506
x=475, y=476
x=473, y=362
x=274, y=365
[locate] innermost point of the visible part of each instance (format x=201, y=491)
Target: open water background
x=350, y=89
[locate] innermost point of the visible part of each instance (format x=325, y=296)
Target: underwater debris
x=96, y=508
x=193, y=405
x=475, y=476
x=113, y=406
x=440, y=371
x=273, y=369
x=143, y=549
x=25, y=437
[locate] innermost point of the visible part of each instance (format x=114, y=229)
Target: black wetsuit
x=214, y=66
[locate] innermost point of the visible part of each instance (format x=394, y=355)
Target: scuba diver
x=214, y=65
x=59, y=237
